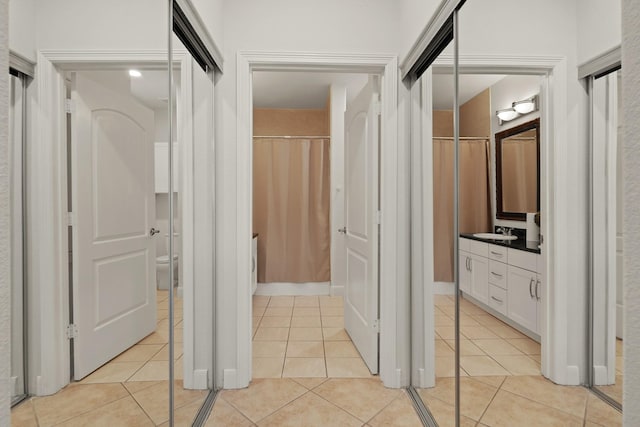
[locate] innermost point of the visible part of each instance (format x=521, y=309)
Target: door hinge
x=378, y=217
x=376, y=326
x=71, y=219
x=377, y=108
x=72, y=331
x=69, y=106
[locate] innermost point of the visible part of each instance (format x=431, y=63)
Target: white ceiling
x=301, y=90
x=470, y=86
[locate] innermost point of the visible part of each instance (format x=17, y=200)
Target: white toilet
x=162, y=263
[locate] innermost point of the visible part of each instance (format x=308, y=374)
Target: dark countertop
x=519, y=243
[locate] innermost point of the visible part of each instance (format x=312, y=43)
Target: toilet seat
x=164, y=259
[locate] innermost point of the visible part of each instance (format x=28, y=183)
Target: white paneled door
x=114, y=279
x=361, y=222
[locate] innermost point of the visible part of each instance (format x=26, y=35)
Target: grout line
x=399, y=396
x=491, y=401
x=280, y=407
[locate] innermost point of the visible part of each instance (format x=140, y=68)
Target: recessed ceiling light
x=135, y=73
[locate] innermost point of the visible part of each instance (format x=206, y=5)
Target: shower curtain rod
x=293, y=137
x=461, y=137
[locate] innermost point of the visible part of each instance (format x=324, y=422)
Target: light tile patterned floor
x=130, y=390
x=303, y=336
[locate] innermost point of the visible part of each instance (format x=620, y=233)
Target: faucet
x=506, y=231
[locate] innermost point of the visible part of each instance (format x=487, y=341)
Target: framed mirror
x=518, y=171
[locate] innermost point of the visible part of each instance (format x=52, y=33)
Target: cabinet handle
x=498, y=254
x=467, y=264
x=537, y=286
x=496, y=274
x=496, y=299
x=531, y=287
x=470, y=265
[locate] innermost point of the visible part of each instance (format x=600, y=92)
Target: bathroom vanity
x=503, y=278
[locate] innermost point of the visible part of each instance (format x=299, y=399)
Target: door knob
x=342, y=230
x=153, y=232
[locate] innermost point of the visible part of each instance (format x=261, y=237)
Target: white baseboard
x=600, y=376
x=337, y=290
x=443, y=288
x=278, y=289
x=230, y=379
x=200, y=379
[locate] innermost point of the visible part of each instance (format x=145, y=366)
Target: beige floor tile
x=467, y=320
x=305, y=349
x=260, y=300
x=184, y=416
x=163, y=354
x=489, y=320
x=271, y=334
x=154, y=400
x=136, y=386
x=614, y=391
x=113, y=372
x=306, y=311
x=526, y=345
x=267, y=367
x=335, y=334
x=306, y=301
x=281, y=302
x=306, y=322
x=155, y=370
x=332, y=311
x=179, y=369
x=269, y=349
x=157, y=337
x=223, y=414
x=601, y=413
x=444, y=414
x=506, y=331
x=448, y=310
x=275, y=322
x=331, y=301
x=23, y=415
x=256, y=320
x=481, y=365
x=333, y=321
x=475, y=396
x=304, y=367
x=443, y=349
x=471, y=309
x=497, y=347
x=162, y=314
x=619, y=347
x=445, y=366
x=310, y=383
x=467, y=348
x=340, y=349
x=123, y=412
x=259, y=311
x=263, y=397
x=446, y=332
x=518, y=365
x=363, y=398
x=536, y=357
x=443, y=300
x=74, y=400
x=278, y=311
x=477, y=332
x=443, y=320
x=178, y=336
x=347, y=367
x=310, y=410
x=490, y=380
x=138, y=353
x=619, y=364
x=305, y=334
x=565, y=398
x=508, y=410
x=399, y=413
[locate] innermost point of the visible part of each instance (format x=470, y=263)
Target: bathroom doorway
x=314, y=143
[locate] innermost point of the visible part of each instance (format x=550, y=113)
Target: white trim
x=22, y=64
x=390, y=272
x=201, y=30
x=49, y=362
x=601, y=63
x=312, y=288
x=554, y=198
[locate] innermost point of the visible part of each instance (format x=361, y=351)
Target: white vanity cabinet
x=506, y=280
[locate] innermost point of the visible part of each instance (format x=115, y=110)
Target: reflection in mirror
x=518, y=171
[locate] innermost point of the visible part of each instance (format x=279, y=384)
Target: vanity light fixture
x=135, y=73
x=506, y=115
x=526, y=105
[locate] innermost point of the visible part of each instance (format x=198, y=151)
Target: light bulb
x=507, y=114
x=135, y=73
x=524, y=107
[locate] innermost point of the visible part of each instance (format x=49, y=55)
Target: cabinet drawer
x=522, y=259
x=463, y=244
x=478, y=248
x=498, y=299
x=498, y=274
x=499, y=253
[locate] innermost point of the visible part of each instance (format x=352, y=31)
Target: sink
x=494, y=236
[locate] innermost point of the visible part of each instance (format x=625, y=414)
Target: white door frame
x=48, y=287
x=556, y=325
x=391, y=239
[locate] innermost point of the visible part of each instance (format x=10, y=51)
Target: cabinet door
x=522, y=305
x=480, y=278
x=539, y=291
x=465, y=272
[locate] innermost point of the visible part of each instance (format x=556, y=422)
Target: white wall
x=371, y=26
x=415, y=15
x=22, y=19
x=5, y=299
x=338, y=250
x=509, y=89
x=567, y=243
x=631, y=144
x=598, y=27
x=211, y=13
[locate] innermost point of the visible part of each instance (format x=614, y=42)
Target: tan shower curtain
x=291, y=209
x=474, y=199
